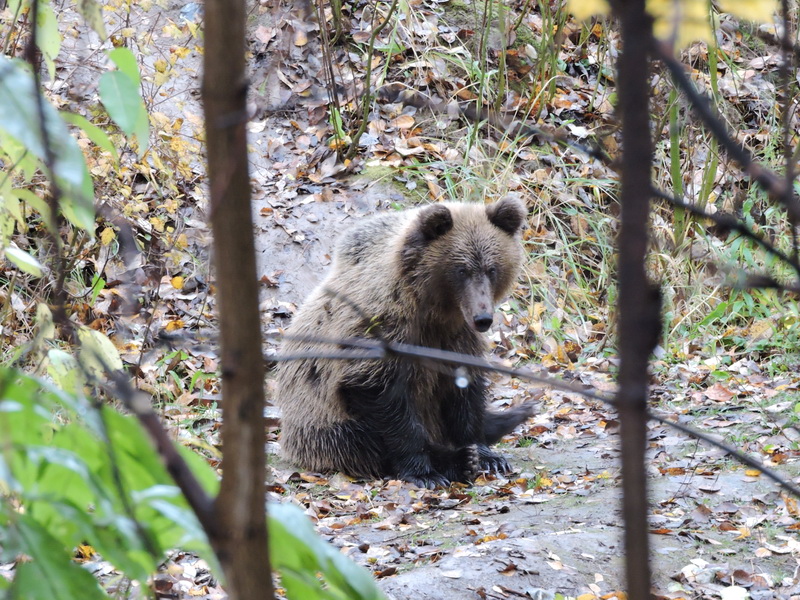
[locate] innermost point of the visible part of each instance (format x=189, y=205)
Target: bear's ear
x=507, y=214
x=434, y=221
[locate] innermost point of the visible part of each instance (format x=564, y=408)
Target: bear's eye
x=462, y=272
x=491, y=272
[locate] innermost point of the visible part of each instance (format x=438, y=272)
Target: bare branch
x=733, y=452
x=382, y=349
x=56, y=256
x=374, y=349
x=786, y=100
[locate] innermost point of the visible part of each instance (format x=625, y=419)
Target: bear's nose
x=482, y=321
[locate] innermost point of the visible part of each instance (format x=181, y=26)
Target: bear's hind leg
x=346, y=447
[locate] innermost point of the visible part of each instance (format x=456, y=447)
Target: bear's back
x=373, y=240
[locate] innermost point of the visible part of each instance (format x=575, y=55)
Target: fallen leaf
x=719, y=393
x=454, y=574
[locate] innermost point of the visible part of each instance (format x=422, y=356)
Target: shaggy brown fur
x=429, y=276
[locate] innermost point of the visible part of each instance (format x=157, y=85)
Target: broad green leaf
x=47, y=37
x=11, y=202
x=93, y=15
x=64, y=370
x=19, y=118
x=126, y=62
x=120, y=95
x=97, y=353
x=44, y=322
x=51, y=574
x=295, y=546
x=78, y=213
x=190, y=535
x=7, y=224
x=302, y=585
x=25, y=163
x=93, y=132
x=24, y=261
x=71, y=525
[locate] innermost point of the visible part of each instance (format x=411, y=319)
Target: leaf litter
x=719, y=530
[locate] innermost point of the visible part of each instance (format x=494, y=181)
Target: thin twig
x=740, y=456
x=383, y=349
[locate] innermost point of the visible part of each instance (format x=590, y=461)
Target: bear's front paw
x=491, y=462
x=429, y=480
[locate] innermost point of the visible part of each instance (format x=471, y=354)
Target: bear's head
x=461, y=259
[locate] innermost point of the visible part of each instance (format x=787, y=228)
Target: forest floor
x=719, y=530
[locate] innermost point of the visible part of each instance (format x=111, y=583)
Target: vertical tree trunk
x=240, y=539
x=638, y=305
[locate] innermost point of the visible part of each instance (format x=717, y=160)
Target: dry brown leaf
x=719, y=393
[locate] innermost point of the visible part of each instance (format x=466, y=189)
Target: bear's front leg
x=381, y=401
x=417, y=469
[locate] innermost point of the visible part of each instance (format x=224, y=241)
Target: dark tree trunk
x=240, y=538
x=638, y=304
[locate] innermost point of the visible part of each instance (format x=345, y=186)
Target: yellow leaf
x=791, y=505
x=181, y=242
x=177, y=282
x=180, y=51
x=161, y=65
x=173, y=325
x=744, y=533
x=84, y=551
x=690, y=16
x=761, y=329
x=107, y=236
x=158, y=224
x=583, y=9
x=44, y=321
x=171, y=30
x=760, y=11
x=752, y=472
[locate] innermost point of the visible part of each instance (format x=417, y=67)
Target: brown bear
x=427, y=276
